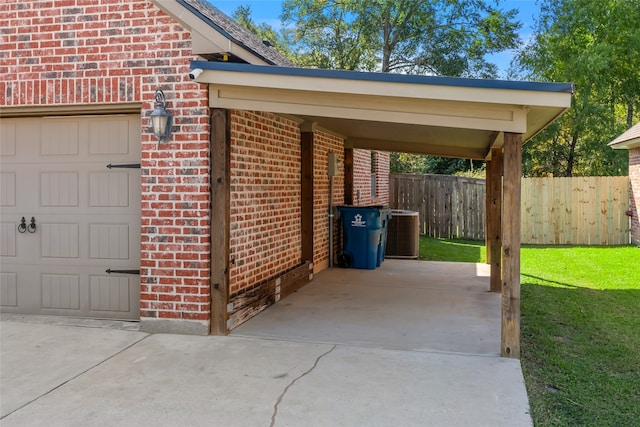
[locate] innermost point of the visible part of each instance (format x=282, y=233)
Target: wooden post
x=494, y=218
x=220, y=219
x=306, y=172
x=510, y=342
x=487, y=209
x=348, y=176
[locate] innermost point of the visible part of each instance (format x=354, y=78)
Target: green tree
x=437, y=37
x=279, y=40
x=424, y=37
x=595, y=45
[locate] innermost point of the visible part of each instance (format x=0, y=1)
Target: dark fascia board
x=386, y=77
x=222, y=31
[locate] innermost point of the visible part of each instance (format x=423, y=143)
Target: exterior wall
x=61, y=53
x=383, y=168
x=362, y=171
x=361, y=177
x=325, y=143
x=265, y=235
x=634, y=178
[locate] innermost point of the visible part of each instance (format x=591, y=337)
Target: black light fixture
x=161, y=118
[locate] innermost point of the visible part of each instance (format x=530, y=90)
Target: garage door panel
x=109, y=241
x=8, y=139
x=109, y=137
x=60, y=240
x=60, y=291
x=8, y=233
x=59, y=189
x=110, y=293
x=60, y=137
x=109, y=189
x=8, y=289
x=7, y=189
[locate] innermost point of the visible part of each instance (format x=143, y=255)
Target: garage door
x=70, y=216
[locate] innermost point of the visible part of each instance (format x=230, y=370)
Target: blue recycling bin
x=385, y=216
x=362, y=231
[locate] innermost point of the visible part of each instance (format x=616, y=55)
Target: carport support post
x=494, y=218
x=306, y=208
x=220, y=218
x=510, y=340
x=348, y=176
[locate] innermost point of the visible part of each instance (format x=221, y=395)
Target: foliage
x=580, y=342
x=595, y=45
x=424, y=37
x=419, y=164
x=279, y=40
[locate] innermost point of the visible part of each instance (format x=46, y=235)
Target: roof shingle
x=220, y=22
x=632, y=133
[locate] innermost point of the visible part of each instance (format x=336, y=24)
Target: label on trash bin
x=358, y=222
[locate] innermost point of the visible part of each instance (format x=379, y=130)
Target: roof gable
x=214, y=34
x=629, y=139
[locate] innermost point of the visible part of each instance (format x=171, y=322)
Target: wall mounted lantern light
x=161, y=118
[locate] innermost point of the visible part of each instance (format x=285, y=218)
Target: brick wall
x=323, y=144
x=265, y=236
x=382, y=169
x=634, y=178
x=58, y=53
x=362, y=171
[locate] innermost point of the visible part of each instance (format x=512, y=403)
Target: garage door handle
x=22, y=227
x=31, y=228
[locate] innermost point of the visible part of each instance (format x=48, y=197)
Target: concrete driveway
x=337, y=353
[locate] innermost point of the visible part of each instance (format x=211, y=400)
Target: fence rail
x=580, y=211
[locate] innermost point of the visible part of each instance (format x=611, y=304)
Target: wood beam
x=220, y=219
x=494, y=218
x=258, y=298
x=348, y=176
x=418, y=148
x=510, y=336
x=306, y=172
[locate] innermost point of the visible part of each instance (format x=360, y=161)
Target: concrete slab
x=203, y=381
x=409, y=344
x=177, y=380
x=37, y=358
x=376, y=387
x=404, y=304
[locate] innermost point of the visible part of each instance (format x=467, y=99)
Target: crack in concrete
x=304, y=374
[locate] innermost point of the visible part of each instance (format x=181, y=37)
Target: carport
x=453, y=117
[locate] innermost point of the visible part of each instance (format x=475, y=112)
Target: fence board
x=555, y=211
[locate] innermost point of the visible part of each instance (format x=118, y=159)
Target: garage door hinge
x=109, y=271
x=124, y=166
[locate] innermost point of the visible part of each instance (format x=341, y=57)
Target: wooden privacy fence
x=449, y=206
x=578, y=211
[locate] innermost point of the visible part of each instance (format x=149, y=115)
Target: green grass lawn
x=580, y=309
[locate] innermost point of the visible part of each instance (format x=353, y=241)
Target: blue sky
x=269, y=11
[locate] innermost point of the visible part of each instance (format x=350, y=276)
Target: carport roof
x=445, y=116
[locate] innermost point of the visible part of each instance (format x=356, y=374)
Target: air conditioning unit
x=403, y=238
